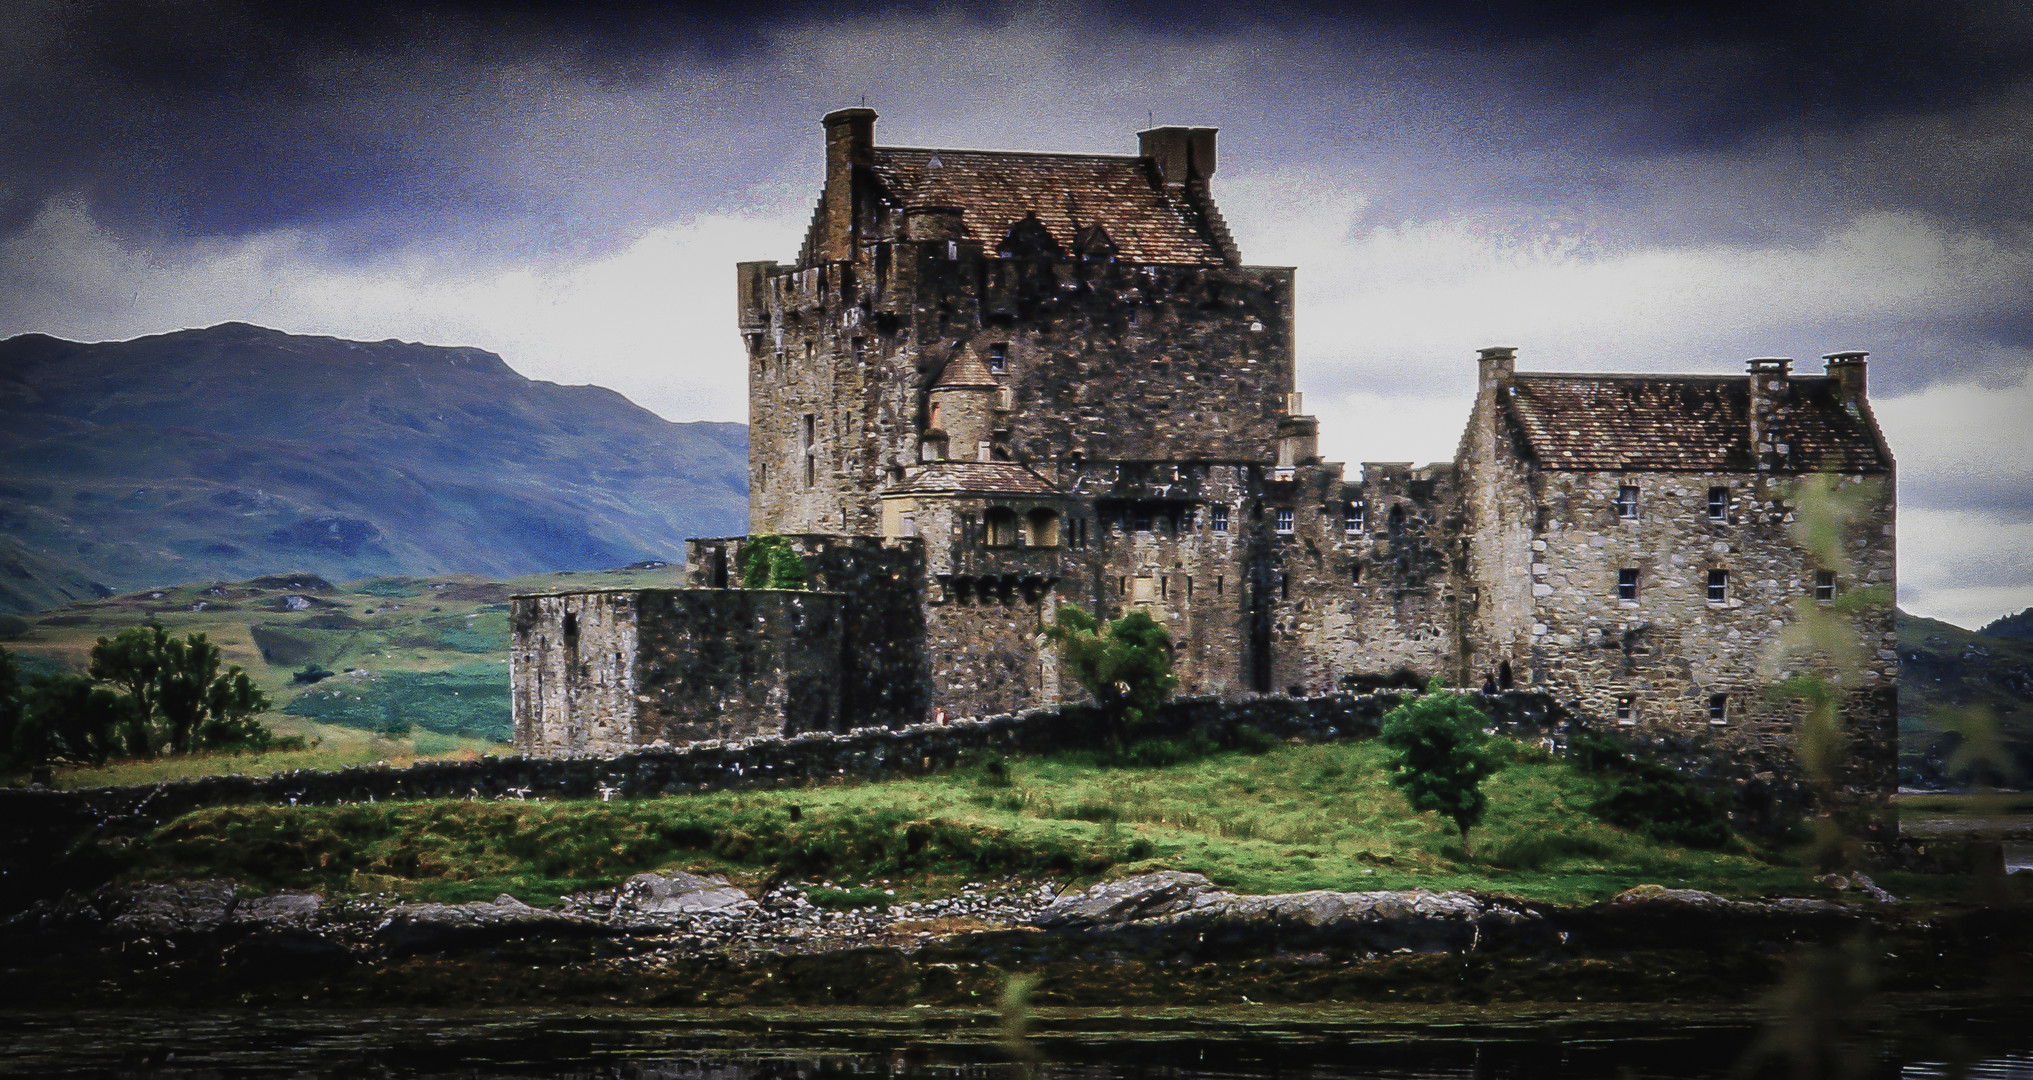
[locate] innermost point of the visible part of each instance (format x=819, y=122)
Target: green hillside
x=235, y=451
x=1957, y=684
x=419, y=665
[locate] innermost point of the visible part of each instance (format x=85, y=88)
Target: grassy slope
x=1311, y=817
x=426, y=652
x=1945, y=673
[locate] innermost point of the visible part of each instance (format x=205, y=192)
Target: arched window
x=1044, y=528
x=1002, y=527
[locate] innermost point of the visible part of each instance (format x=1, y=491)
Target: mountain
x=236, y=451
x=2018, y=626
x=1949, y=677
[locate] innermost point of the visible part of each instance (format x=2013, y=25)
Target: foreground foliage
x=1289, y=819
x=1443, y=755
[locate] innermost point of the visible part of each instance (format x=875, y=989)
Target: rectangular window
x=1355, y=574
x=1285, y=586
x=1219, y=517
x=860, y=350
x=998, y=357
x=1189, y=586
x=1351, y=518
x=1164, y=586
x=1220, y=585
x=1627, y=583
x=1122, y=586
x=1718, y=586
x=952, y=249
x=1718, y=504
x=808, y=439
x=1627, y=709
x=1718, y=708
x=1284, y=519
x=1627, y=502
x=1824, y=585
x=1141, y=517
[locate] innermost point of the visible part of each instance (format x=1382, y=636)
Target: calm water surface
x=1306, y=1043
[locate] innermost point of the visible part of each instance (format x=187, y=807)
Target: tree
x=180, y=700
x=769, y=562
x=1444, y=755
x=70, y=718
x=1126, y=665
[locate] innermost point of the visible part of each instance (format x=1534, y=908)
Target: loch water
x=1244, y=1042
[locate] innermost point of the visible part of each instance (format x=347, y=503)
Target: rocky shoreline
x=1162, y=938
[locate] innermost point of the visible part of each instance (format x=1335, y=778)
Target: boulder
x=679, y=893
x=1133, y=899
x=295, y=910
x=173, y=910
x=424, y=927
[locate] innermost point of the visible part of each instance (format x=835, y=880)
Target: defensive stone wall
x=816, y=757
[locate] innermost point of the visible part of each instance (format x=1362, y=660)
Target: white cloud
x=654, y=320
x=1964, y=567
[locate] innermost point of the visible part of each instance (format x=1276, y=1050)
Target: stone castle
x=994, y=383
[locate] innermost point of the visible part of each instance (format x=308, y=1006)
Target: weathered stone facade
x=994, y=383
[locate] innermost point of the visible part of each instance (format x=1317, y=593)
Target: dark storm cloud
x=182, y=120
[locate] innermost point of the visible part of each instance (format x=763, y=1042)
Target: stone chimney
x=1770, y=379
x=1497, y=363
x=1298, y=435
x=1179, y=153
x=1846, y=371
x=850, y=148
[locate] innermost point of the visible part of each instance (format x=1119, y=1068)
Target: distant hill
x=236, y=451
x=1945, y=668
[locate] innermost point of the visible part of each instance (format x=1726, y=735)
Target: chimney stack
x=1179, y=153
x=1495, y=363
x=1768, y=395
x=850, y=145
x=1846, y=370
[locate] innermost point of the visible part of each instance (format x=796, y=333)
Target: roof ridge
x=1014, y=153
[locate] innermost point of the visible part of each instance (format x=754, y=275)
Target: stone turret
x=961, y=407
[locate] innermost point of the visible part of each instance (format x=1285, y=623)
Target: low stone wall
x=819, y=757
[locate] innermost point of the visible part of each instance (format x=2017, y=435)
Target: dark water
x=1307, y=1043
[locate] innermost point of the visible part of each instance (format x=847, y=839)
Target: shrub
x=1443, y=756
x=1125, y=665
x=1648, y=797
x=769, y=562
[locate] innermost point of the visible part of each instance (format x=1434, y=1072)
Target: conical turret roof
x=966, y=372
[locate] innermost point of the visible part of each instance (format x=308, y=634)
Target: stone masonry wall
x=737, y=663
x=571, y=675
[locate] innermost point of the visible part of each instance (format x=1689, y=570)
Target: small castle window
x=952, y=249
x=1824, y=585
x=1718, y=586
x=1351, y=518
x=998, y=357
x=1627, y=584
x=1718, y=504
x=571, y=630
x=860, y=346
x=1626, y=709
x=1718, y=708
x=1284, y=520
x=1355, y=574
x=1627, y=502
x=1397, y=520
x=1002, y=527
x=1218, y=517
x=1220, y=585
x=1141, y=518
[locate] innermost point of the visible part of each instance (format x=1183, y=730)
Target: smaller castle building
x=994, y=383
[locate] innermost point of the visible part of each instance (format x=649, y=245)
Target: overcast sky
x=1605, y=187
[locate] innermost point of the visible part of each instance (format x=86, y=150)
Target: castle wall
x=1672, y=649
x=737, y=664
x=572, y=672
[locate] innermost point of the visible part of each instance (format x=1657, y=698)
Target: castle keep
x=994, y=383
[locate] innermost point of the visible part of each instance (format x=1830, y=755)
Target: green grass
x=331, y=748
x=1296, y=818
x=470, y=700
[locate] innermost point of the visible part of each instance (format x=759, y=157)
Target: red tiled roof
x=1684, y=422
x=973, y=478
x=994, y=189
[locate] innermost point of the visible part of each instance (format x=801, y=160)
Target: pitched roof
x=995, y=189
x=973, y=478
x=966, y=372
x=1684, y=422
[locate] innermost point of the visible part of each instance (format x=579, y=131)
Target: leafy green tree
x=72, y=719
x=769, y=562
x=1444, y=755
x=181, y=700
x=1126, y=665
